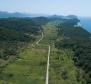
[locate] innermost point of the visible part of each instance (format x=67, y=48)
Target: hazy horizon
x=48, y=7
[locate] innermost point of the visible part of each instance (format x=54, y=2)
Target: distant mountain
x=63, y=17
x=72, y=16
x=18, y=14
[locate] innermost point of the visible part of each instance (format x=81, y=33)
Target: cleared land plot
x=50, y=33
x=29, y=68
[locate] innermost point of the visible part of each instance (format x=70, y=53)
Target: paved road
x=47, y=71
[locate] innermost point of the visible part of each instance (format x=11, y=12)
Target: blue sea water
x=86, y=23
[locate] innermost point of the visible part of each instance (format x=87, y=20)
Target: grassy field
x=62, y=68
x=50, y=33
x=29, y=68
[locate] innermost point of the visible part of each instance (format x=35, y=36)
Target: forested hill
x=15, y=33
x=71, y=30
x=26, y=29
x=74, y=37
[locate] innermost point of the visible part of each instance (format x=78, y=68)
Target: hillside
x=24, y=51
x=78, y=40
x=15, y=33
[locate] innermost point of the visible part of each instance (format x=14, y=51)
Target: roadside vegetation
x=63, y=69
x=62, y=66
x=77, y=39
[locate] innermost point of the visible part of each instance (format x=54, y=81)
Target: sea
x=86, y=23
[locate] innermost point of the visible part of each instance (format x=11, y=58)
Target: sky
x=51, y=7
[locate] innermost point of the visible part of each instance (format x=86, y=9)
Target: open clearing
x=29, y=68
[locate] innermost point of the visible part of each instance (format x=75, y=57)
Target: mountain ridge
x=5, y=14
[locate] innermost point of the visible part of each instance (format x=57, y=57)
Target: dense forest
x=74, y=37
x=16, y=32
